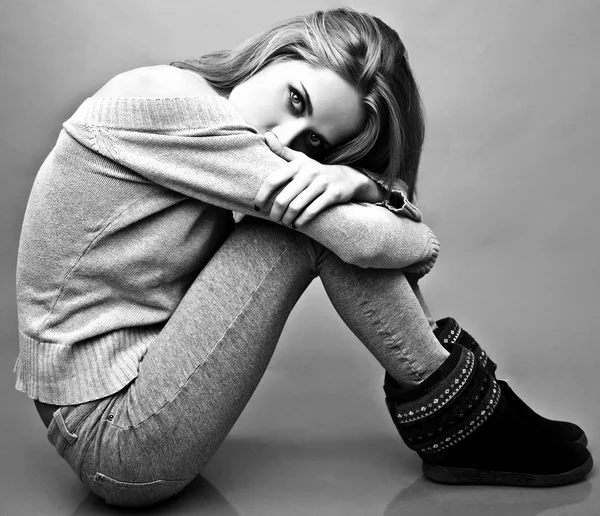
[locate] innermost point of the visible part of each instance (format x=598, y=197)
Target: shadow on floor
x=301, y=473
x=426, y=498
x=199, y=497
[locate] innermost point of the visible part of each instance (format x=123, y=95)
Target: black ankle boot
x=467, y=432
x=449, y=332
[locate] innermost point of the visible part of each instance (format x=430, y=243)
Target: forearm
x=372, y=236
x=225, y=164
x=368, y=190
x=387, y=241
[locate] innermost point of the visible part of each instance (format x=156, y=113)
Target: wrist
x=366, y=189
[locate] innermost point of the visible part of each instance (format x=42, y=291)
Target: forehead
x=338, y=111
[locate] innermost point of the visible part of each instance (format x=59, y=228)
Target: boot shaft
x=434, y=418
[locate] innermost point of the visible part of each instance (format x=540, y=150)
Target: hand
x=311, y=186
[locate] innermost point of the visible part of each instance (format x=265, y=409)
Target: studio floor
x=314, y=440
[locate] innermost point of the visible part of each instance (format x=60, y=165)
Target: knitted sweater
x=123, y=215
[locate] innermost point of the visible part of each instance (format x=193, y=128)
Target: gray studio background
x=509, y=180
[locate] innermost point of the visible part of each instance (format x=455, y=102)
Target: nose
x=288, y=131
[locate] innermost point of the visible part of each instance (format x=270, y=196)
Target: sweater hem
x=70, y=374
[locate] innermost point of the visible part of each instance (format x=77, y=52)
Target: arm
x=373, y=190
x=200, y=147
x=396, y=232
x=398, y=203
x=373, y=236
x=335, y=185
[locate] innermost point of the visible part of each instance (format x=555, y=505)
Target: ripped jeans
x=144, y=443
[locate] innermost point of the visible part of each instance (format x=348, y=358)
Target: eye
x=297, y=101
x=315, y=140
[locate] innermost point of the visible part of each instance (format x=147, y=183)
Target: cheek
x=264, y=110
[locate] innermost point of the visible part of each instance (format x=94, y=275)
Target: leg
x=467, y=427
x=198, y=374
x=412, y=280
x=155, y=435
x=382, y=309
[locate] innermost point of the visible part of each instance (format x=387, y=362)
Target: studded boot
x=449, y=332
x=467, y=431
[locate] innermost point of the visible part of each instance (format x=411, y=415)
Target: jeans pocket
x=65, y=423
x=135, y=494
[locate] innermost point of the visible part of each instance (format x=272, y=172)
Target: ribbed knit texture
x=124, y=213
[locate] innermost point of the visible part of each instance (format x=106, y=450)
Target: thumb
x=278, y=148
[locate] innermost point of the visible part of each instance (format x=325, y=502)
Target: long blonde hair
x=365, y=52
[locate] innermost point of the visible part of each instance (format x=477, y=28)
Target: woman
x=147, y=318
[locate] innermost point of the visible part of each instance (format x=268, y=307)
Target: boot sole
x=447, y=475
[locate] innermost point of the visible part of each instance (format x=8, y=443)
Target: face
x=309, y=109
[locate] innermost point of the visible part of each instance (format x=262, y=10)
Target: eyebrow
x=309, y=109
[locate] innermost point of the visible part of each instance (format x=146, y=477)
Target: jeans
x=146, y=442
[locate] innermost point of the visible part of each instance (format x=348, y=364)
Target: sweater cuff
x=398, y=201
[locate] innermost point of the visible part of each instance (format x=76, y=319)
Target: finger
x=292, y=190
x=278, y=148
x=300, y=202
x=273, y=182
x=328, y=198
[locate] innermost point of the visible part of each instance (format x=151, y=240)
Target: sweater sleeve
x=200, y=147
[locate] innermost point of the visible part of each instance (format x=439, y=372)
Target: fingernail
x=256, y=208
